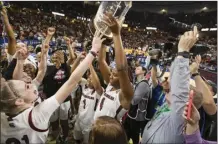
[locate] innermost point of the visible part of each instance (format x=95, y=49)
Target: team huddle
x=40, y=100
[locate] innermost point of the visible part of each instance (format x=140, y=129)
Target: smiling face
x=25, y=95
x=114, y=79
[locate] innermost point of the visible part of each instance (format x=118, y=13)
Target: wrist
x=191, y=129
x=182, y=50
x=20, y=61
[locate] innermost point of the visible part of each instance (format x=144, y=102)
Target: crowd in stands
x=56, y=88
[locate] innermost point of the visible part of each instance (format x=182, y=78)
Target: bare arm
x=122, y=68
x=71, y=49
x=76, y=76
x=95, y=81
x=126, y=93
x=10, y=33
x=42, y=64
x=104, y=68
x=208, y=102
x=18, y=71
x=154, y=76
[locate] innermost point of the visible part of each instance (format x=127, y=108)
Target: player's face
x=30, y=70
x=29, y=92
x=90, y=85
x=114, y=79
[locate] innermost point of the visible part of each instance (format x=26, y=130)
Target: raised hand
x=22, y=54
x=112, y=23
x=195, y=116
x=67, y=40
x=4, y=12
x=51, y=31
x=97, y=41
x=188, y=40
x=195, y=65
x=45, y=49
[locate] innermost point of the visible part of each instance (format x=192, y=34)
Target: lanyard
x=162, y=109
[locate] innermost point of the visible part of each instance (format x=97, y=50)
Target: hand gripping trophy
x=118, y=9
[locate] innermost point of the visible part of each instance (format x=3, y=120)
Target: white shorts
x=61, y=112
x=81, y=131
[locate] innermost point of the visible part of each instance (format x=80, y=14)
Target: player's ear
x=19, y=102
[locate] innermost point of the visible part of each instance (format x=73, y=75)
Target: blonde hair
x=9, y=96
x=107, y=130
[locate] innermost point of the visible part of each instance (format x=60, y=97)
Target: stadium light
x=56, y=13
x=125, y=25
x=205, y=29
x=205, y=8
x=151, y=28
x=213, y=29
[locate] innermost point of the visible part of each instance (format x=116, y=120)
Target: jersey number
x=84, y=102
x=102, y=103
x=16, y=141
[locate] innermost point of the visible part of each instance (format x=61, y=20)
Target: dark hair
x=107, y=130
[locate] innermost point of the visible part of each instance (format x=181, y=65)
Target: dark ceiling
x=174, y=6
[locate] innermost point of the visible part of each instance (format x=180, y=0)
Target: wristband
x=93, y=53
x=195, y=74
x=185, y=54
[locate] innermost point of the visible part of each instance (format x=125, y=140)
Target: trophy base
x=92, y=28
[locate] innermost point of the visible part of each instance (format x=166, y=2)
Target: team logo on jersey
x=102, y=103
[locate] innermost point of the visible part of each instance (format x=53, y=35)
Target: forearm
x=102, y=54
x=11, y=38
x=71, y=52
x=120, y=57
x=208, y=101
x=47, y=39
x=95, y=80
x=18, y=71
x=154, y=76
x=179, y=84
x=75, y=64
x=42, y=68
x=191, y=129
x=75, y=77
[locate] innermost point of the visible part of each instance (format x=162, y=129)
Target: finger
x=186, y=34
x=191, y=33
x=103, y=39
x=102, y=34
x=195, y=31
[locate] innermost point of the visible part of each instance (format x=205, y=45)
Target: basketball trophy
x=118, y=9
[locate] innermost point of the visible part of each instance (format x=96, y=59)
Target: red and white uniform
x=88, y=104
x=29, y=126
x=109, y=104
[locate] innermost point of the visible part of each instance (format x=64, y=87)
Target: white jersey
x=29, y=126
x=109, y=104
x=88, y=104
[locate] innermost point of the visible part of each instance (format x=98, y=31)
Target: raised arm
x=154, y=76
x=77, y=61
x=104, y=68
x=50, y=33
x=121, y=62
x=18, y=71
x=10, y=33
x=71, y=49
x=95, y=81
x=76, y=76
x=43, y=64
x=208, y=101
x=180, y=74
